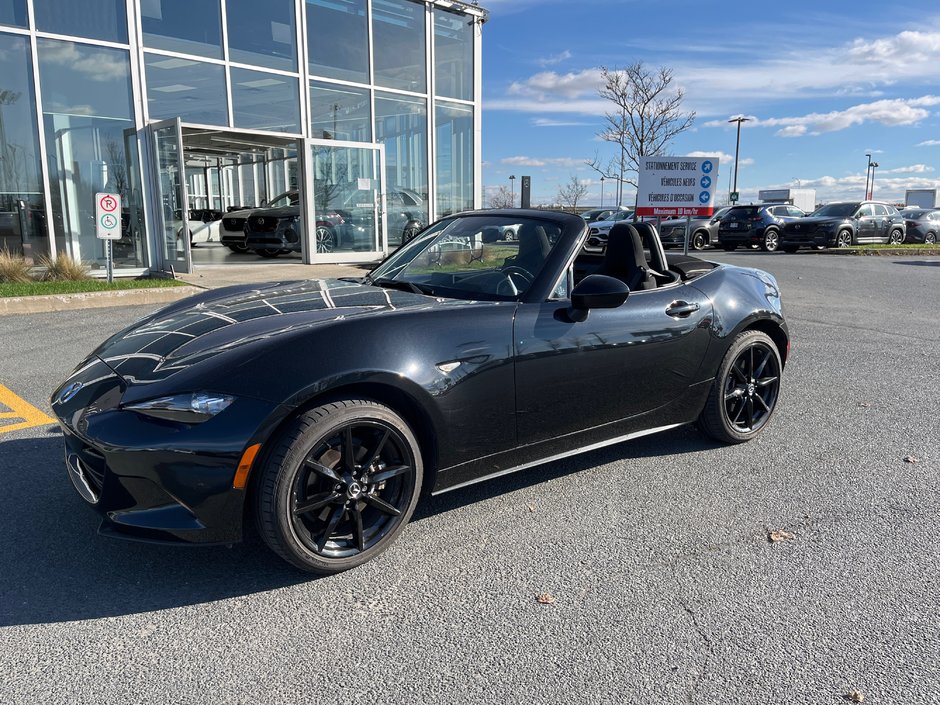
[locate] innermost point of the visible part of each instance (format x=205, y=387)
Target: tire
x=930, y=239
x=844, y=238
x=339, y=486
x=238, y=249
x=410, y=232
x=699, y=240
x=771, y=241
x=790, y=249
x=729, y=246
x=895, y=237
x=745, y=391
x=326, y=239
x=268, y=252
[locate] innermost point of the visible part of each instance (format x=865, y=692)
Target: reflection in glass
x=192, y=90
x=86, y=99
x=170, y=193
x=95, y=19
x=454, y=158
x=185, y=26
x=401, y=124
x=22, y=217
x=262, y=33
x=131, y=249
x=265, y=101
x=346, y=192
x=340, y=113
x=13, y=12
x=398, y=29
x=336, y=39
x=453, y=54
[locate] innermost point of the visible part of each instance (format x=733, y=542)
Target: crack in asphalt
x=693, y=693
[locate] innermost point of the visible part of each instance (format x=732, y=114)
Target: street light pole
x=871, y=192
x=602, y=192
x=737, y=147
x=512, y=190
x=867, y=176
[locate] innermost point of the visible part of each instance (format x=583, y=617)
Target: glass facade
x=383, y=89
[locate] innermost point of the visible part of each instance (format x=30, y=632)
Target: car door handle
x=681, y=309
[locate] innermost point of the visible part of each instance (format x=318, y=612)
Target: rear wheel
x=745, y=392
x=896, y=237
x=771, y=240
x=930, y=239
x=339, y=486
x=699, y=240
x=326, y=240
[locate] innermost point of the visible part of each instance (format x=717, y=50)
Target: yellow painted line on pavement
x=19, y=409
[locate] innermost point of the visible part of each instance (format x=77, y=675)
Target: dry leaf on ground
x=531, y=508
x=779, y=535
x=911, y=459
x=545, y=599
x=855, y=696
x=864, y=404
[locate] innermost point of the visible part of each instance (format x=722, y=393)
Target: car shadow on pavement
x=55, y=568
x=921, y=263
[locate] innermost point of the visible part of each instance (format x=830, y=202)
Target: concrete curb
x=94, y=299
x=887, y=252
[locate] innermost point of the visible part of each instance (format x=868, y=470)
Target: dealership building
x=191, y=109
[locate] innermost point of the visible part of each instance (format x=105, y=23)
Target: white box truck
x=802, y=198
x=922, y=198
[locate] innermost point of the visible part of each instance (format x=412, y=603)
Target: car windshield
x=835, y=210
x=472, y=257
x=745, y=213
x=291, y=198
x=914, y=214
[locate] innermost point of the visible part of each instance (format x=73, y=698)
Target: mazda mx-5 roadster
x=322, y=411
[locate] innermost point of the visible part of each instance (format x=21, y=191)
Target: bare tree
x=116, y=169
x=646, y=116
x=569, y=194
x=502, y=198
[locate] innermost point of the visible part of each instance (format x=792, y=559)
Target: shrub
x=64, y=268
x=14, y=268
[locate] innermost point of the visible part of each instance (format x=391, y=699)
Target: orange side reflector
x=244, y=466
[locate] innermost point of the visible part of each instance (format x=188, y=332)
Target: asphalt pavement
x=656, y=551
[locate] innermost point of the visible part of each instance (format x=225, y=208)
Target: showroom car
x=600, y=228
x=232, y=230
x=755, y=225
x=921, y=225
x=323, y=410
x=703, y=231
x=844, y=224
x=596, y=214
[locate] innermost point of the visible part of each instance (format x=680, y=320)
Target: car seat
x=624, y=258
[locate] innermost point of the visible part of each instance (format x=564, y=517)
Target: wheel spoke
x=378, y=450
x=388, y=474
x=349, y=458
x=738, y=373
x=766, y=381
x=323, y=470
x=760, y=368
x=318, y=501
x=737, y=416
x=763, y=403
x=357, y=529
x=381, y=505
x=749, y=404
x=736, y=394
x=330, y=527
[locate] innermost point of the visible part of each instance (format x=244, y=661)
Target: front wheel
x=771, y=240
x=930, y=239
x=326, y=240
x=339, y=486
x=896, y=237
x=745, y=391
x=410, y=232
x=844, y=238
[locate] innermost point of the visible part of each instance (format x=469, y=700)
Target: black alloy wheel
x=771, y=240
x=339, y=486
x=844, y=238
x=896, y=237
x=745, y=392
x=699, y=240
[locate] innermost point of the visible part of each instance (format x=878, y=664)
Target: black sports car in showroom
x=322, y=409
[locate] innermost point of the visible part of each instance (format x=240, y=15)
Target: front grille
x=261, y=223
x=236, y=224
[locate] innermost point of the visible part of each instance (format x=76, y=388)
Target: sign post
x=108, y=225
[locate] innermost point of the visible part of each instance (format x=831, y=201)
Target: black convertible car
x=322, y=409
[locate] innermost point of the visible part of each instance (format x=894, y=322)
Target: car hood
x=224, y=322
x=282, y=212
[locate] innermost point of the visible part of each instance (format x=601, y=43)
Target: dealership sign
x=677, y=186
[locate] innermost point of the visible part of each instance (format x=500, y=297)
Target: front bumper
x=815, y=238
x=150, y=479
x=744, y=236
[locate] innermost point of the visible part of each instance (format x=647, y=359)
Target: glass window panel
x=192, y=90
x=22, y=216
x=265, y=101
x=453, y=54
x=96, y=19
x=13, y=12
x=401, y=124
x=186, y=26
x=340, y=113
x=86, y=100
x=338, y=39
x=346, y=188
x=398, y=30
x=454, y=158
x=262, y=33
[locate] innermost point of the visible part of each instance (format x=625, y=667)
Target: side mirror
x=596, y=291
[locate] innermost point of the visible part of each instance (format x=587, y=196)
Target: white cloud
x=100, y=65
x=723, y=157
x=543, y=161
x=912, y=169
x=929, y=143
x=555, y=59
x=792, y=131
x=549, y=85
x=549, y=122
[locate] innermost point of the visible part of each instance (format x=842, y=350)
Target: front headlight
x=186, y=408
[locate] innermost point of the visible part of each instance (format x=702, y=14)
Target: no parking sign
x=108, y=216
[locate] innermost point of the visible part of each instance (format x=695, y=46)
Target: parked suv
x=759, y=224
x=845, y=224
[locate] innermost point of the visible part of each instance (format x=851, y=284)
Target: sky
x=824, y=83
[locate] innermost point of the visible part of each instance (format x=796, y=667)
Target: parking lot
x=666, y=587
